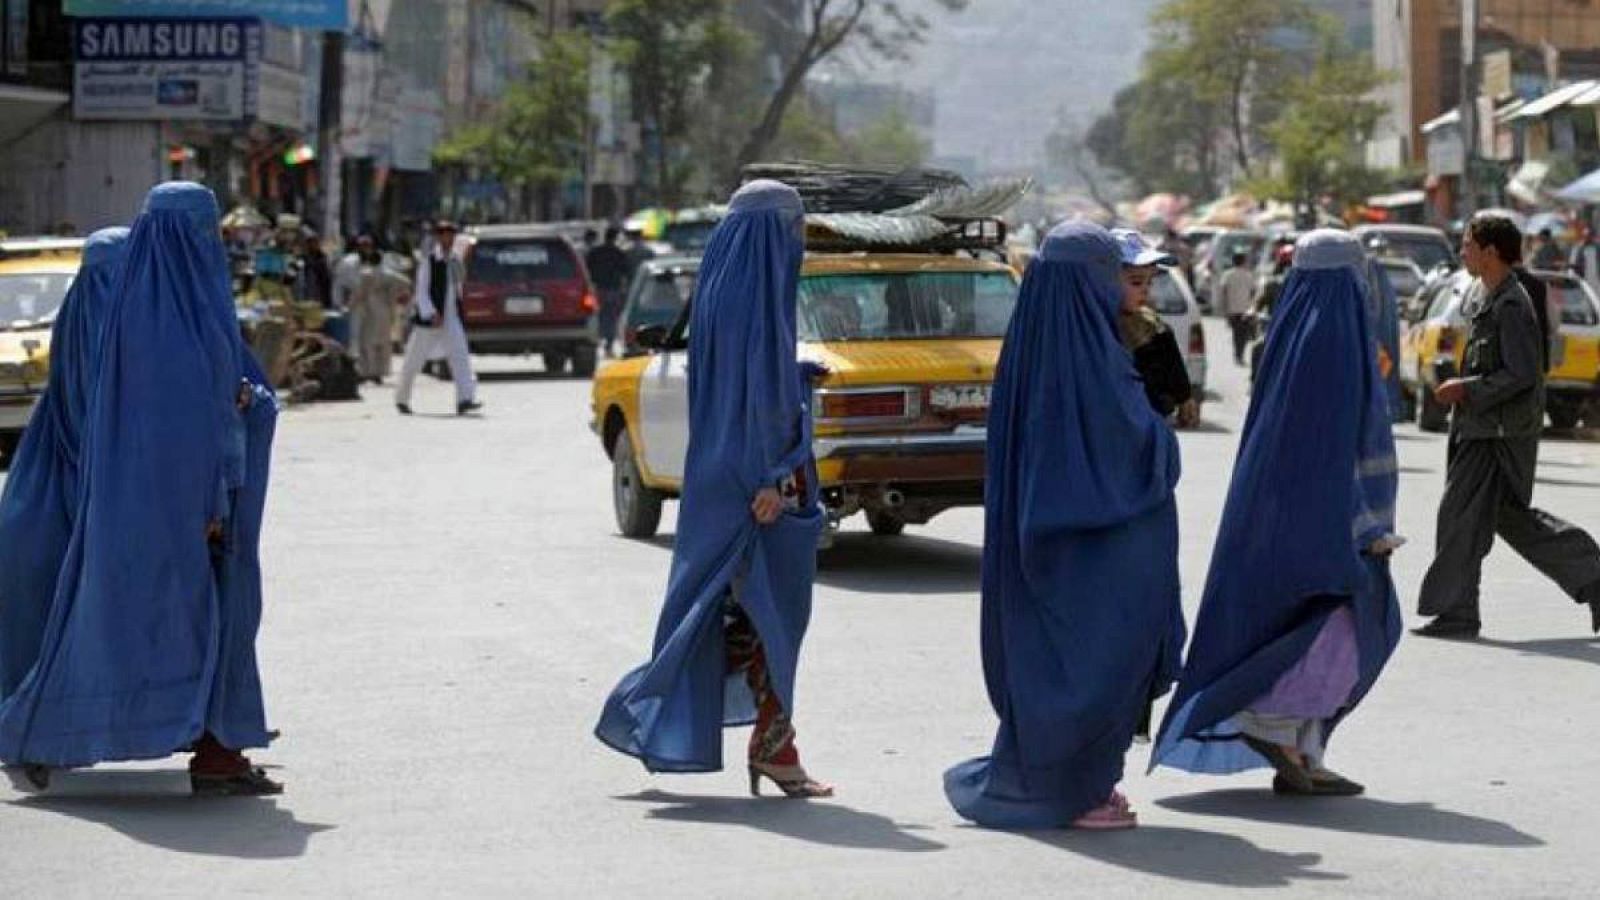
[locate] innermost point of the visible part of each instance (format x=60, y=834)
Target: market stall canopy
x=245, y=216
x=1527, y=183
x=1554, y=100
x=1584, y=190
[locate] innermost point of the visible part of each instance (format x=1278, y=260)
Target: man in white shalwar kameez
x=436, y=322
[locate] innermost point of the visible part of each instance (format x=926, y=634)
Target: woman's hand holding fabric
x=767, y=506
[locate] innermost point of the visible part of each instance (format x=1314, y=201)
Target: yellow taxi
x=910, y=341
x=35, y=274
x=1431, y=347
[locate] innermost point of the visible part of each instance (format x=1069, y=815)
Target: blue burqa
x=1313, y=486
x=749, y=428
x=41, y=494
x=1082, y=623
x=150, y=639
x=1383, y=311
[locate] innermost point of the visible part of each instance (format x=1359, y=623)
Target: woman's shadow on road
x=822, y=822
x=155, y=808
x=1356, y=815
x=1187, y=854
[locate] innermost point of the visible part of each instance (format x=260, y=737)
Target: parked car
x=527, y=291
x=1218, y=256
x=658, y=294
x=910, y=341
x=1428, y=247
x=1430, y=350
x=1406, y=278
x=35, y=275
x=1172, y=299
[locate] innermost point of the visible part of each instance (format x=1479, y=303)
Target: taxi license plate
x=525, y=306
x=958, y=397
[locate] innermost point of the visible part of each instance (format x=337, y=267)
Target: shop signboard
x=328, y=15
x=165, y=69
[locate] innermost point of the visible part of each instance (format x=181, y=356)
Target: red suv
x=528, y=292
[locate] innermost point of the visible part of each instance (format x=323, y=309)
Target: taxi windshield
x=905, y=305
x=33, y=298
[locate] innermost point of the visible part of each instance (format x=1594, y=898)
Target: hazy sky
x=1003, y=70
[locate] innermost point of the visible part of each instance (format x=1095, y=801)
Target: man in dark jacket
x=1494, y=448
x=608, y=268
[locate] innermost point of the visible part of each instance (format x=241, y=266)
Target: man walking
x=436, y=322
x=608, y=267
x=1494, y=447
x=1236, y=291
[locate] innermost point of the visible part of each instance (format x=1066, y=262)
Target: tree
x=887, y=28
x=1321, y=136
x=536, y=140
x=668, y=48
x=1160, y=136
x=892, y=140
x=1234, y=55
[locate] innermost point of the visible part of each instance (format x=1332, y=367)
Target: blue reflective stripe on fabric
x=1299, y=513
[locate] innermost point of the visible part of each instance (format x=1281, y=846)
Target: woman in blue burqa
x=1299, y=614
x=41, y=494
x=148, y=646
x=739, y=596
x=1081, y=616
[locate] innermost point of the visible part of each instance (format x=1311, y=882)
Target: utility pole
x=328, y=114
x=1469, y=106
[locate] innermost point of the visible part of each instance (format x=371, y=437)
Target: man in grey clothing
x=1494, y=449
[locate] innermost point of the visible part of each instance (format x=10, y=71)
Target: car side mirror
x=652, y=337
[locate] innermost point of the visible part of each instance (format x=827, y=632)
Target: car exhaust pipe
x=893, y=499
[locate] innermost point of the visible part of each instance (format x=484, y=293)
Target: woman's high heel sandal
x=792, y=780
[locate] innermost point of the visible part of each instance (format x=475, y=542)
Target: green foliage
x=536, y=138
x=809, y=133
x=669, y=48
x=1321, y=136
x=1232, y=59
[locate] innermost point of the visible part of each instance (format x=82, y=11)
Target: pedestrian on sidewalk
x=608, y=268
x=40, y=502
x=373, y=302
x=1494, y=449
x=149, y=647
x=1147, y=336
x=436, y=322
x=1299, y=614
x=1585, y=261
x=739, y=598
x=1081, y=622
x=1236, y=291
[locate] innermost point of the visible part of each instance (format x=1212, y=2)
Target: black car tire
x=1564, y=414
x=637, y=507
x=884, y=524
x=1431, y=416
x=584, y=359
x=8, y=448
x=555, y=363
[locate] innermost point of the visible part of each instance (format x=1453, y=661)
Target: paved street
x=448, y=605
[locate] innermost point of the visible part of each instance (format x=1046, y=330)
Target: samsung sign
x=166, y=69
x=147, y=39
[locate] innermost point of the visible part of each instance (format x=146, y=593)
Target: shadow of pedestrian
x=1567, y=482
x=1184, y=854
x=903, y=565
x=1206, y=426
x=150, y=807
x=817, y=822
x=1581, y=649
x=1355, y=815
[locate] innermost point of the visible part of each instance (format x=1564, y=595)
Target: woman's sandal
x=1290, y=772
x=253, y=782
x=1109, y=816
x=1323, y=784
x=792, y=780
x=29, y=778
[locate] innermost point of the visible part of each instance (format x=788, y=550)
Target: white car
x=1173, y=300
